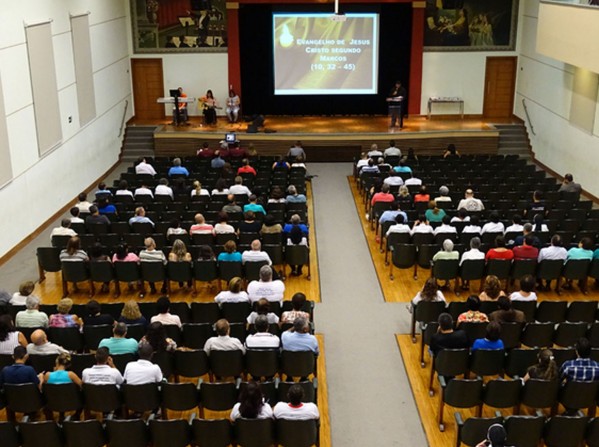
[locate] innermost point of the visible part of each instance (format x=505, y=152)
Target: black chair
x=63, y=398
x=262, y=362
x=473, y=429
x=403, y=256
x=42, y=363
x=472, y=270
x=166, y=362
x=141, y=398
x=204, y=312
x=474, y=330
x=226, y=363
x=205, y=270
x=9, y=435
x=524, y=431
x=48, y=260
x=567, y=334
x=591, y=437
x=79, y=362
x=128, y=272
x=152, y=272
x=252, y=270
x=310, y=390
x=582, y=311
x=195, y=334
x=550, y=269
x=127, y=433
x=295, y=433
x=538, y=335
x=459, y=393
x=93, y=335
x=101, y=398
x=68, y=337
x=565, y=431
x=22, y=398
x=298, y=363
x=576, y=270
x=179, y=272
x=527, y=307
x=553, y=311
x=214, y=433
x=487, y=362
x=88, y=433
x=519, y=360
x=500, y=268
x=500, y=393
x=446, y=270
x=575, y=395
x=191, y=363
x=170, y=433
x=510, y=334
x=230, y=270
x=179, y=396
x=75, y=272
x=235, y=312
x=425, y=312
x=298, y=255
x=450, y=363
x=254, y=432
x=537, y=393
x=218, y=396
x=46, y=433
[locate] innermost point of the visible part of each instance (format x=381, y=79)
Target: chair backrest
x=254, y=432
x=487, y=362
x=127, y=433
x=9, y=435
x=141, y=398
x=298, y=363
x=538, y=393
x=262, y=362
x=89, y=433
x=214, y=432
x=226, y=363
x=191, y=363
x=179, y=396
x=553, y=311
x=170, y=433
x=48, y=258
x=205, y=312
x=101, y=398
x=524, y=431
x=46, y=433
x=93, y=335
x=519, y=360
x=500, y=393
x=452, y=362
x=63, y=397
x=565, y=431
x=23, y=397
x=218, y=396
x=463, y=393
x=295, y=433
x=474, y=429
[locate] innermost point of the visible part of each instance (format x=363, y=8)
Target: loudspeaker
x=252, y=128
x=259, y=121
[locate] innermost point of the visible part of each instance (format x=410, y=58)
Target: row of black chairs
x=156, y=432
x=257, y=363
x=530, y=431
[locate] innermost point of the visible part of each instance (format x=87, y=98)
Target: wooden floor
x=326, y=124
x=50, y=291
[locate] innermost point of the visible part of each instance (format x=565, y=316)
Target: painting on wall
x=179, y=26
x=470, y=25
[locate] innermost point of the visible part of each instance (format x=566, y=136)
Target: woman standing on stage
x=233, y=103
x=209, y=105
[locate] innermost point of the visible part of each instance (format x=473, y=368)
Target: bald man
x=255, y=254
x=41, y=346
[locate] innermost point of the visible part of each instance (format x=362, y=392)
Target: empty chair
x=576, y=395
x=195, y=334
x=591, y=437
x=487, y=362
x=179, y=396
x=141, y=398
x=254, y=432
x=62, y=398
x=204, y=312
x=127, y=433
x=553, y=311
x=214, y=432
x=9, y=435
x=88, y=433
x=565, y=431
x=169, y=433
x=262, y=362
x=101, y=398
x=519, y=360
x=46, y=433
x=226, y=363
x=537, y=393
x=297, y=433
x=298, y=363
x=48, y=260
x=403, y=256
x=567, y=334
x=93, y=335
x=191, y=363
x=217, y=396
x=583, y=311
x=538, y=335
x=449, y=362
x=460, y=393
x=500, y=393
x=524, y=431
x=22, y=398
x=75, y=272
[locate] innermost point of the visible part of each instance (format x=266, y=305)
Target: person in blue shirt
x=140, y=216
x=298, y=338
x=230, y=253
x=177, y=168
x=295, y=220
x=390, y=215
x=254, y=206
x=119, y=344
x=491, y=340
x=582, y=368
x=19, y=372
x=401, y=167
x=105, y=207
x=583, y=251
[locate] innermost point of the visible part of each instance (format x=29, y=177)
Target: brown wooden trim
x=10, y=253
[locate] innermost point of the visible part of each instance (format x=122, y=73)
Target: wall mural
x=470, y=25
x=179, y=26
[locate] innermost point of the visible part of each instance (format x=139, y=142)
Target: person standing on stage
x=396, y=100
x=209, y=105
x=182, y=116
x=233, y=103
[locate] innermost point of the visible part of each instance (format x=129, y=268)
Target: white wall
x=195, y=72
x=546, y=86
x=41, y=186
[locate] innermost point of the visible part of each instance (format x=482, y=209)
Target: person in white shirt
x=474, y=254
x=162, y=189
x=394, y=179
x=223, y=341
x=262, y=339
x=123, y=189
x=473, y=226
x=25, y=289
x=103, y=372
x=445, y=226
x=83, y=204
x=392, y=151
x=164, y=316
x=296, y=409
x=443, y=195
x=526, y=292
x=555, y=251
x=374, y=151
x=266, y=287
x=470, y=202
x=239, y=187
x=462, y=216
x=363, y=161
x=422, y=226
x=74, y=212
x=263, y=308
x=399, y=226
x=494, y=226
x=64, y=229
x=143, y=371
x=234, y=294
x=516, y=226
x=413, y=181
x=197, y=189
x=430, y=292
x=255, y=254
x=143, y=190
x=143, y=167
x=251, y=404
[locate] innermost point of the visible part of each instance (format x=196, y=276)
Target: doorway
x=148, y=86
x=500, y=87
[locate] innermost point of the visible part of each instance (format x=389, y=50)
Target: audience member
x=19, y=372
x=446, y=337
x=83, y=204
x=434, y=213
x=262, y=339
x=63, y=317
x=10, y=338
x=140, y=217
x=143, y=167
x=447, y=253
x=496, y=437
x=263, y=308
x=583, y=368
x=249, y=224
x=223, y=341
x=73, y=251
x=506, y=313
x=295, y=408
x=26, y=288
x=445, y=227
x=229, y=253
x=75, y=215
x=494, y=225
x=500, y=251
x=251, y=404
x=41, y=346
x=293, y=196
x=298, y=338
x=142, y=191
x=491, y=289
x=298, y=301
x=253, y=206
x=119, y=343
x=95, y=217
x=266, y=287
x=64, y=229
x=200, y=226
x=94, y=316
x=473, y=314
x=255, y=254
x=162, y=189
x=61, y=374
x=526, y=292
x=474, y=254
x=270, y=225
x=177, y=169
x=239, y=188
x=143, y=370
x=430, y=292
x=470, y=203
x=492, y=338
x=545, y=369
x=526, y=250
x=222, y=227
x=131, y=315
x=569, y=185
x=157, y=339
x=31, y=316
x=164, y=316
x=103, y=372
x=235, y=294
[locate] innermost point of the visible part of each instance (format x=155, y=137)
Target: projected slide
x=314, y=54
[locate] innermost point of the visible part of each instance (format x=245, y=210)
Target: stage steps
x=139, y=141
x=513, y=140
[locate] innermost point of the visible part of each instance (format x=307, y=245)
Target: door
x=500, y=86
x=148, y=86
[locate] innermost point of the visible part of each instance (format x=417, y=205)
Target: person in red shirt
x=526, y=250
x=237, y=151
x=245, y=168
x=383, y=196
x=422, y=195
x=500, y=251
x=205, y=151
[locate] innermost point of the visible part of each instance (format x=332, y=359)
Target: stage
x=332, y=138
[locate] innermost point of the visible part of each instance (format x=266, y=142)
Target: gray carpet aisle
x=370, y=399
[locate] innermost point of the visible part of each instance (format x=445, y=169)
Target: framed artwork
x=470, y=25
x=179, y=26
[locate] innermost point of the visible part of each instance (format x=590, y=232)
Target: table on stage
x=445, y=100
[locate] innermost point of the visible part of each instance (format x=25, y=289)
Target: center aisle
x=370, y=399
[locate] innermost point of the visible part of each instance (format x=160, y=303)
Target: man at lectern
x=182, y=115
x=396, y=100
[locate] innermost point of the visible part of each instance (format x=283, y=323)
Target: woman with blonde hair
x=491, y=289
x=61, y=374
x=132, y=315
x=63, y=318
x=198, y=190
x=235, y=294
x=179, y=252
x=404, y=198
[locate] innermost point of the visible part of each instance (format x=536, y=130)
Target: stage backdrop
x=257, y=71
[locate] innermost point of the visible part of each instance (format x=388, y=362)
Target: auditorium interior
x=86, y=92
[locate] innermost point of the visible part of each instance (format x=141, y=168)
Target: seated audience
x=399, y=226
x=162, y=189
x=555, y=251
x=266, y=287
x=255, y=254
x=263, y=308
x=296, y=409
x=526, y=250
x=179, y=252
x=177, y=169
x=270, y=225
x=143, y=190
x=293, y=196
x=443, y=196
x=64, y=229
x=140, y=217
x=246, y=168
x=295, y=221
x=94, y=316
x=491, y=289
x=447, y=253
x=61, y=373
x=569, y=185
x=230, y=253
x=143, y=370
x=500, y=251
x=75, y=213
x=19, y=372
x=496, y=437
x=249, y=224
x=494, y=225
x=222, y=227
x=262, y=339
x=82, y=203
x=200, y=226
x=473, y=314
x=298, y=338
x=430, y=292
x=473, y=226
x=123, y=189
x=157, y=339
x=583, y=251
x=131, y=314
x=41, y=346
x=390, y=215
x=445, y=227
x=63, y=317
x=143, y=167
x=103, y=372
x=446, y=337
x=383, y=196
x=73, y=251
x=223, y=341
x=251, y=404
x=470, y=203
x=421, y=226
x=164, y=316
x=545, y=369
x=10, y=338
x=95, y=217
x=239, y=188
x=491, y=340
x=298, y=301
x=25, y=289
x=254, y=206
x=434, y=213
x=235, y=294
x=582, y=368
x=474, y=254
x=197, y=190
x=506, y=313
x=527, y=290
x=31, y=316
x=119, y=343
x=175, y=228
